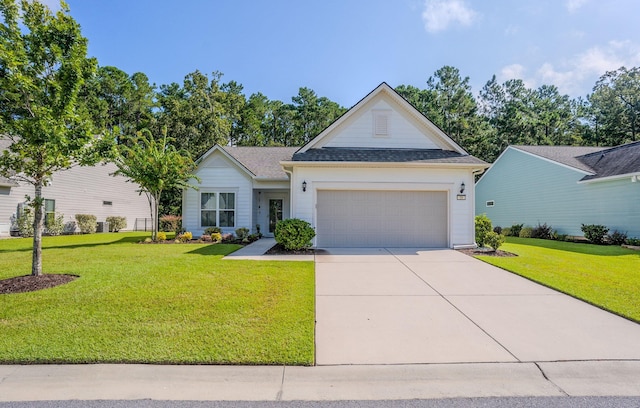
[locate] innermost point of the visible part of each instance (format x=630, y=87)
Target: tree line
x=203, y=110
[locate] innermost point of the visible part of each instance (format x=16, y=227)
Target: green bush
x=525, y=232
x=55, y=226
x=506, y=232
x=212, y=230
x=294, y=234
x=594, y=233
x=497, y=230
x=242, y=233
x=617, y=238
x=542, y=231
x=483, y=227
x=86, y=223
x=515, y=229
x=494, y=240
x=633, y=241
x=25, y=223
x=116, y=223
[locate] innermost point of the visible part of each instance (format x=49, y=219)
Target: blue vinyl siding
x=531, y=190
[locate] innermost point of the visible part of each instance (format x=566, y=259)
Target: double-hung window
x=218, y=209
x=49, y=211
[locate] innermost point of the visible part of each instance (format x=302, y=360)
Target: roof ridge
x=611, y=149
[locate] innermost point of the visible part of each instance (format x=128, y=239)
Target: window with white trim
x=218, y=209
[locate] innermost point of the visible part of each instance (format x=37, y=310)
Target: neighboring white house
x=382, y=175
x=564, y=187
x=79, y=190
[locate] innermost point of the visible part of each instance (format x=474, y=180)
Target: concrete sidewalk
x=256, y=250
x=273, y=383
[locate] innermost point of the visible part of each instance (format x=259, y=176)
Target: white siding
x=218, y=173
x=82, y=190
x=460, y=212
x=403, y=130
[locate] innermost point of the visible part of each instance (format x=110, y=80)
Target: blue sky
x=342, y=49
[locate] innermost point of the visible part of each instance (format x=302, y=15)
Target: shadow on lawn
x=215, y=249
x=581, y=248
x=123, y=240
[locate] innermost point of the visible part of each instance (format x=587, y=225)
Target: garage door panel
x=382, y=218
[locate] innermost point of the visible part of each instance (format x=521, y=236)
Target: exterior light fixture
x=304, y=186
x=462, y=187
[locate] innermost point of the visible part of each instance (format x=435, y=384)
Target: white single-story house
x=79, y=190
x=382, y=175
x=564, y=187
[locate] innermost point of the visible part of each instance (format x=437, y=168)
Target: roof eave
x=289, y=164
x=632, y=176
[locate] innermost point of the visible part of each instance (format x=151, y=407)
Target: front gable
x=383, y=120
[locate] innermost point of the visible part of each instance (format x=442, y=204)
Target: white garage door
x=355, y=219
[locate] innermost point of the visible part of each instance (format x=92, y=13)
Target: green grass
x=135, y=303
x=605, y=276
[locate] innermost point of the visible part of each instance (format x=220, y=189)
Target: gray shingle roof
x=567, y=155
x=623, y=159
x=263, y=162
x=338, y=154
x=599, y=161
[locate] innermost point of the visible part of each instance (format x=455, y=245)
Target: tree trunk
x=36, y=264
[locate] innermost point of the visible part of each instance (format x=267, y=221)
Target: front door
x=275, y=213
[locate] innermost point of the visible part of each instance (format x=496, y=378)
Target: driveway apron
x=410, y=306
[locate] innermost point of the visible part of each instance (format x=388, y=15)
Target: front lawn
x=142, y=303
x=606, y=276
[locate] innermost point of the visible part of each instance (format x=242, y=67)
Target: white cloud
x=574, y=5
x=438, y=15
x=573, y=76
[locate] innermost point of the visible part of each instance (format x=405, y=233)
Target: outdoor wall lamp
x=304, y=186
x=462, y=188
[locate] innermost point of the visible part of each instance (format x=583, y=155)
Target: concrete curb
x=329, y=383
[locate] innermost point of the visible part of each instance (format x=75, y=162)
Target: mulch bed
x=278, y=249
x=30, y=283
x=484, y=251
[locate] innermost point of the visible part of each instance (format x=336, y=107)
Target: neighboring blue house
x=564, y=186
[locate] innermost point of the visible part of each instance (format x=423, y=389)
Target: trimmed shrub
x=205, y=238
x=242, y=233
x=497, y=230
x=483, y=227
x=116, y=223
x=227, y=237
x=525, y=232
x=161, y=236
x=86, y=223
x=543, y=231
x=633, y=241
x=617, y=238
x=494, y=240
x=212, y=230
x=294, y=234
x=515, y=230
x=594, y=233
x=55, y=226
x=506, y=232
x=171, y=223
x=25, y=223
x=185, y=236
x=216, y=237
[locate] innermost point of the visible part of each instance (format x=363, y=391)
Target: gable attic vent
x=381, y=123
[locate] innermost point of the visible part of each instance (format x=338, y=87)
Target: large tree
x=156, y=165
x=43, y=64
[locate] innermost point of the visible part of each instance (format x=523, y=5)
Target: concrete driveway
x=408, y=306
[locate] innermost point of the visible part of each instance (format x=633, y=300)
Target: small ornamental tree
x=483, y=227
x=155, y=165
x=43, y=64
